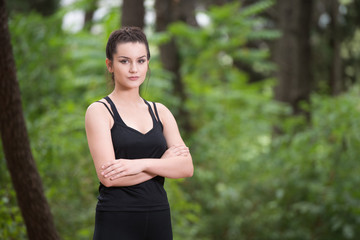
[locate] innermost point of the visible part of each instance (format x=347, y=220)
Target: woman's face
x=129, y=65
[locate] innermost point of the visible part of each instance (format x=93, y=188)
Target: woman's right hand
x=176, y=150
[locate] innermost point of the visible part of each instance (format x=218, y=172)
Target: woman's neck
x=131, y=96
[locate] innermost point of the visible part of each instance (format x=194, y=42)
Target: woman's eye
x=142, y=61
x=124, y=61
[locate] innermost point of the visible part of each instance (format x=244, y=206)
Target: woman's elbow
x=106, y=182
x=190, y=171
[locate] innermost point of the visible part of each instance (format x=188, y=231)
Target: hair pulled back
x=126, y=35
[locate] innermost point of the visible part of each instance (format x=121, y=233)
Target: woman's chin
x=131, y=85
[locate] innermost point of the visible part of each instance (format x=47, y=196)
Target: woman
x=134, y=145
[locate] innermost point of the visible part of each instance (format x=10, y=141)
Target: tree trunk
x=336, y=82
x=44, y=7
x=89, y=14
x=168, y=11
x=133, y=13
x=293, y=52
x=24, y=175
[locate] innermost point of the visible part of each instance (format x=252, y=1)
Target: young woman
x=134, y=145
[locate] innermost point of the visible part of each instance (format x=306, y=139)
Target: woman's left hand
x=121, y=168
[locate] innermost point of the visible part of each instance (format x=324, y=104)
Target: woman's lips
x=134, y=78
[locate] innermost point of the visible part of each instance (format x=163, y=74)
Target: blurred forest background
x=266, y=94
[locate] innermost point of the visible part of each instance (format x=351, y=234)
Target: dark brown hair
x=126, y=35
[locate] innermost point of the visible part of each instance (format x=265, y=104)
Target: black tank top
x=129, y=143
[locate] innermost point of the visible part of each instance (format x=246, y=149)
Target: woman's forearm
x=129, y=180
x=172, y=167
x=173, y=164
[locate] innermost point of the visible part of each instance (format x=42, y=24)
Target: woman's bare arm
x=179, y=166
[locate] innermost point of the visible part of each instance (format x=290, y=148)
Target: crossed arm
x=176, y=162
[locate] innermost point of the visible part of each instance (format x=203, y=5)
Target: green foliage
x=11, y=223
x=296, y=186
x=319, y=172
x=209, y=53
x=250, y=182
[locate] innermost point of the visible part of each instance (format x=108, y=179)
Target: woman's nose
x=133, y=68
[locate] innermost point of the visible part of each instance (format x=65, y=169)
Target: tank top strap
x=157, y=115
x=107, y=108
x=114, y=110
x=150, y=111
x=156, y=112
x=155, y=119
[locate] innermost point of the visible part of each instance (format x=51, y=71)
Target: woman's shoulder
x=161, y=108
x=98, y=107
x=159, y=105
x=164, y=112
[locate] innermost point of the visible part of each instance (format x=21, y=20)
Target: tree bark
x=293, y=52
x=44, y=7
x=336, y=81
x=89, y=14
x=24, y=175
x=133, y=13
x=167, y=12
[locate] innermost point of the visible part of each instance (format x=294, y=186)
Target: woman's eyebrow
x=129, y=58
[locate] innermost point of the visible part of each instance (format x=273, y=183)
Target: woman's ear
x=109, y=65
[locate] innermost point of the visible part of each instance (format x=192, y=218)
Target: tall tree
x=352, y=22
x=248, y=68
x=44, y=7
x=331, y=30
x=133, y=13
x=336, y=80
x=24, y=175
x=90, y=9
x=167, y=12
x=293, y=52
x=207, y=3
